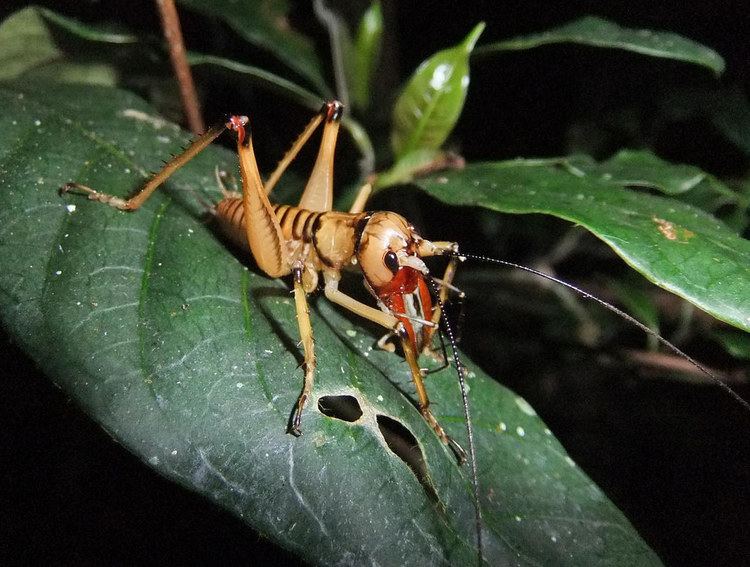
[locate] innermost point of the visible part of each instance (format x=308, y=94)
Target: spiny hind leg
x=319, y=189
x=318, y=192
x=196, y=147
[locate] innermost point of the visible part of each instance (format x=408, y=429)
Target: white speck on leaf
x=440, y=76
x=525, y=407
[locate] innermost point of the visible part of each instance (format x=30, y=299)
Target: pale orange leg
x=308, y=345
x=361, y=200
x=318, y=193
x=439, y=248
x=423, y=401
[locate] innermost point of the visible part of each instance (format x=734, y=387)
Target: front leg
x=440, y=248
x=390, y=321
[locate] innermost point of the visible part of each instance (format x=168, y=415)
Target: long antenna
x=448, y=330
x=625, y=316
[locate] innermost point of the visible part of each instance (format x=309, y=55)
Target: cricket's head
x=388, y=255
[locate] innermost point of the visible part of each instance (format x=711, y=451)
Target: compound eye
x=391, y=261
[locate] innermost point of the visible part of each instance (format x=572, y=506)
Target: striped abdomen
x=333, y=235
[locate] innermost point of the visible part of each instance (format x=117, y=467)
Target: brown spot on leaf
x=672, y=231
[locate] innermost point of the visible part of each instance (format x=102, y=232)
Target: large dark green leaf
x=190, y=359
x=676, y=246
x=641, y=168
x=598, y=32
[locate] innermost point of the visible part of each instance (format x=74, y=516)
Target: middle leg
x=308, y=345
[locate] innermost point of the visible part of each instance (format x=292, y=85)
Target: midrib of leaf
x=249, y=328
x=148, y=264
x=421, y=124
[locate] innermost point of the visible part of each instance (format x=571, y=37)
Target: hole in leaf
x=346, y=408
x=401, y=441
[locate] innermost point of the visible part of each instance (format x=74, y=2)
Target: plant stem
x=172, y=33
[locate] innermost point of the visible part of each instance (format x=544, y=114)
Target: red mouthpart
x=407, y=281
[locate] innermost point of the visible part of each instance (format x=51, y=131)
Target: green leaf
x=676, y=246
x=641, y=168
x=407, y=167
x=598, y=32
x=28, y=48
x=429, y=106
x=190, y=360
x=87, y=31
x=265, y=24
x=366, y=53
x=259, y=76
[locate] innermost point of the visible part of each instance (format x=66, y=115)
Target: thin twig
x=170, y=22
x=336, y=28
